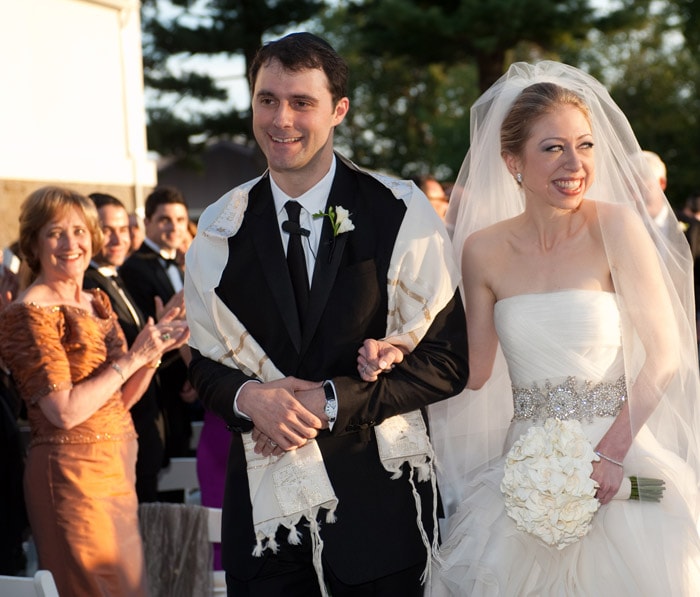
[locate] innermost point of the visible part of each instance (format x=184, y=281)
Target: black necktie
x=296, y=261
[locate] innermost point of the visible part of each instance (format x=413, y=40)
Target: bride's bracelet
x=604, y=457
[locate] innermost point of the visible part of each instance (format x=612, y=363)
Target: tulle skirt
x=632, y=548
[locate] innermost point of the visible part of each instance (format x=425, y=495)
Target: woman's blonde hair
x=44, y=205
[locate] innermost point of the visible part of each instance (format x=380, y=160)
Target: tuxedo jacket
x=146, y=278
x=376, y=532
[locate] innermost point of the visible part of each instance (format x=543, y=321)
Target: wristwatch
x=331, y=408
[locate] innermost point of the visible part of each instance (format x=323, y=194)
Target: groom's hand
x=280, y=419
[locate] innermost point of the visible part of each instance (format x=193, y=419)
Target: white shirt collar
x=164, y=253
x=313, y=200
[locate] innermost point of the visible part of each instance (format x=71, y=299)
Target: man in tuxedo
x=279, y=300
x=151, y=273
x=103, y=273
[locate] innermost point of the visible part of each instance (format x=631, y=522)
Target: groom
x=279, y=301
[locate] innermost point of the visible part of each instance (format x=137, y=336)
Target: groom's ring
x=165, y=337
x=273, y=444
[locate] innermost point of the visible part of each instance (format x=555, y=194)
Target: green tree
x=483, y=33
x=205, y=29
x=654, y=76
x=419, y=66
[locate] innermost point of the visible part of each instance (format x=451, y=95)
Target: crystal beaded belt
x=572, y=399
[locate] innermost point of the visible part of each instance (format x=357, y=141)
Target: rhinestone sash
x=572, y=399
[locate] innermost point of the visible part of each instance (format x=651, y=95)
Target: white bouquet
x=548, y=487
x=547, y=482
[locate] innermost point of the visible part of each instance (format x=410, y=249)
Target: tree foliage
x=418, y=65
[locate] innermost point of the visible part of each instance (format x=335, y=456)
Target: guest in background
x=103, y=274
x=654, y=198
x=68, y=357
x=151, y=273
x=135, y=232
x=435, y=193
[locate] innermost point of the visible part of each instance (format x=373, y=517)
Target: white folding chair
x=181, y=473
x=41, y=584
x=174, y=537
x=214, y=529
x=196, y=433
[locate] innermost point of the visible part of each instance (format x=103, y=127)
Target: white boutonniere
x=339, y=217
x=340, y=222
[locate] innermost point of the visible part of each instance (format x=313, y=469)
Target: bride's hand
x=376, y=357
x=608, y=477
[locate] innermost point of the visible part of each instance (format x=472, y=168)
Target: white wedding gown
x=632, y=548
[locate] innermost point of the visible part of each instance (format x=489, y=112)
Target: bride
x=577, y=308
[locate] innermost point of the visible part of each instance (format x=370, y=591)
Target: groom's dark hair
x=301, y=51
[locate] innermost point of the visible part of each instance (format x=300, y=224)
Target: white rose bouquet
x=548, y=487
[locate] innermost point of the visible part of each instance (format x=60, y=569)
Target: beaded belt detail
x=572, y=399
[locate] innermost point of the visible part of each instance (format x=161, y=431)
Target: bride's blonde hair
x=534, y=102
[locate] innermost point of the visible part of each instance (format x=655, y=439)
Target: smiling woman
x=68, y=357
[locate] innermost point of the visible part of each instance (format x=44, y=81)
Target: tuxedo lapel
x=264, y=228
x=161, y=276
x=330, y=253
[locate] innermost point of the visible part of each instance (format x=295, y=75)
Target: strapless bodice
x=552, y=336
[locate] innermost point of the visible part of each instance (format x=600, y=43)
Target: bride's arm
x=648, y=320
x=479, y=302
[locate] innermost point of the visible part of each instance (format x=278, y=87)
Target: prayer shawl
x=422, y=279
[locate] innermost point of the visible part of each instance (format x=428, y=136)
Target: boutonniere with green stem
x=340, y=222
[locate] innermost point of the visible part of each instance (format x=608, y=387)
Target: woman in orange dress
x=68, y=357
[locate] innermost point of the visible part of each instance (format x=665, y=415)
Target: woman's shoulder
x=489, y=239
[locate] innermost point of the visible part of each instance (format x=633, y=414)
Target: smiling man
x=152, y=272
x=288, y=276
x=103, y=273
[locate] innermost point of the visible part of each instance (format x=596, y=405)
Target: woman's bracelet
x=119, y=370
x=604, y=457
x=154, y=364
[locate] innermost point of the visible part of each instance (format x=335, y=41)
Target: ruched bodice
x=53, y=348
x=555, y=335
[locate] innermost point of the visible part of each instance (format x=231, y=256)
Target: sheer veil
x=468, y=430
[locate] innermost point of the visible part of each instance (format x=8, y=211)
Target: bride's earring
x=519, y=178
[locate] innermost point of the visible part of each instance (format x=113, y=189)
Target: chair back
x=41, y=584
x=181, y=473
x=178, y=549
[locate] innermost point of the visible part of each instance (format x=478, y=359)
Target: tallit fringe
x=317, y=548
x=265, y=535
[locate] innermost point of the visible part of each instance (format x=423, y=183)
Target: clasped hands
x=289, y=412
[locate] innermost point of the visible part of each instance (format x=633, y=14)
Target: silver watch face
x=330, y=408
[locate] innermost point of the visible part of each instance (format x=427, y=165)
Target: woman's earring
x=519, y=178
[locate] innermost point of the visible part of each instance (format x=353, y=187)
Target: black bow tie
x=168, y=262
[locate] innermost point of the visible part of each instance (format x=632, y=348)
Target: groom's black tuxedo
x=145, y=413
x=376, y=533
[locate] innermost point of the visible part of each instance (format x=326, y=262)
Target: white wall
x=71, y=93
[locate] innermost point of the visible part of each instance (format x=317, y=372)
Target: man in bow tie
x=287, y=277
x=151, y=273
x=103, y=273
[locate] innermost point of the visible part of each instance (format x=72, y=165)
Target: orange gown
x=79, y=483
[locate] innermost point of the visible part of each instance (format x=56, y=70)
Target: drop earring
x=519, y=178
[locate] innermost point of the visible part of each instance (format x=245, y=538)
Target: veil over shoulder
x=468, y=430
